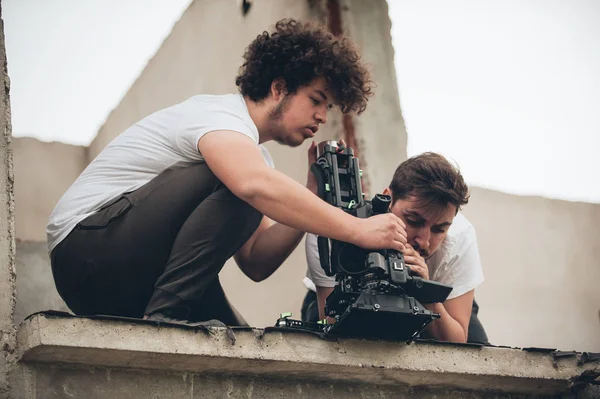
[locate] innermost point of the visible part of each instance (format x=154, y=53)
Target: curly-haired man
x=146, y=228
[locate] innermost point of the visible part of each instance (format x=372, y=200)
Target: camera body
x=375, y=296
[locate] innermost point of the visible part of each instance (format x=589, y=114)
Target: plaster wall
x=115, y=357
x=541, y=266
x=7, y=230
x=380, y=130
x=43, y=172
x=59, y=382
x=35, y=286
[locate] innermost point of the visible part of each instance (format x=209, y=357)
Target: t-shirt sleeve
x=463, y=271
x=198, y=122
x=315, y=271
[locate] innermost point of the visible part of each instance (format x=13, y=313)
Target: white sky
x=509, y=89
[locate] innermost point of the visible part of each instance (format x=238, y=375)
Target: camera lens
x=352, y=259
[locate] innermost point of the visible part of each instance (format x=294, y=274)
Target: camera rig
x=375, y=295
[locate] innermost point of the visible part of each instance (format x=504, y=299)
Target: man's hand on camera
x=385, y=231
x=415, y=261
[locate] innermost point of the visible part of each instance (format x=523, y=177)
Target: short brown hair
x=298, y=53
x=429, y=176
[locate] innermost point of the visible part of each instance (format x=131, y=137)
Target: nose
x=422, y=238
x=321, y=115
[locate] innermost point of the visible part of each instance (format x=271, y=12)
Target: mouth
x=312, y=130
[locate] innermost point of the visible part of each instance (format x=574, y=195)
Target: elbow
x=254, y=273
x=256, y=277
x=248, y=190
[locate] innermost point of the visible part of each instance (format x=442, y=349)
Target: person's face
x=297, y=116
x=426, y=224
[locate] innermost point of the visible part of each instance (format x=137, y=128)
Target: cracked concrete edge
x=7, y=228
x=114, y=343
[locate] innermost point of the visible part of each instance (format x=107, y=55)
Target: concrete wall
x=541, y=261
x=43, y=172
x=73, y=357
x=380, y=130
x=36, y=290
x=7, y=230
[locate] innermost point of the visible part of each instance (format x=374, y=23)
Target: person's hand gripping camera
x=416, y=262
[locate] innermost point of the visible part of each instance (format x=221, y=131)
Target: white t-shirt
x=165, y=138
x=456, y=262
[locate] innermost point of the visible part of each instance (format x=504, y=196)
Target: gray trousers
x=159, y=248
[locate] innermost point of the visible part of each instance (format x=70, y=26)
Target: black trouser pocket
x=106, y=215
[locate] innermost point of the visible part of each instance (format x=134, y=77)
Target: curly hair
x=429, y=176
x=298, y=53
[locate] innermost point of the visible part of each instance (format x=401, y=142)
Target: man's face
x=426, y=224
x=297, y=116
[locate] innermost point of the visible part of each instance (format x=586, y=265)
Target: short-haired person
x=427, y=193
x=146, y=228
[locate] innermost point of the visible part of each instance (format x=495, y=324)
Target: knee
x=243, y=211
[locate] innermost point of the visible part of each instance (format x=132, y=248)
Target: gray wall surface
x=7, y=230
x=87, y=358
x=38, y=189
x=36, y=290
x=61, y=382
x=43, y=172
x=541, y=263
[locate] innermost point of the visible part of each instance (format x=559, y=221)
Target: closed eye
x=415, y=223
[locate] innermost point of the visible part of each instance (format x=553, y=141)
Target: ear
x=387, y=191
x=278, y=89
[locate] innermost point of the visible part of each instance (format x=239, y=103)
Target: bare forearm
x=445, y=328
x=294, y=205
x=271, y=248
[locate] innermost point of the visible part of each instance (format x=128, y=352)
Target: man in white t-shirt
x=427, y=193
x=146, y=228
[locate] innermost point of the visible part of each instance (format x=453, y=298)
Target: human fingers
x=417, y=269
x=396, y=222
x=399, y=221
x=400, y=237
x=312, y=152
x=400, y=234
x=408, y=250
x=414, y=260
x=398, y=246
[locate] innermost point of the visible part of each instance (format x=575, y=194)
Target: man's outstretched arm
x=267, y=249
x=286, y=201
x=272, y=243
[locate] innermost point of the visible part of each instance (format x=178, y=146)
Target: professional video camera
x=375, y=296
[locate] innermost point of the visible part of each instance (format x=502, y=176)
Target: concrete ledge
x=44, y=338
